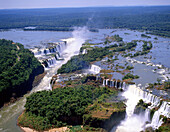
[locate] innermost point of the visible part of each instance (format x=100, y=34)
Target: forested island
x=154, y=20
x=84, y=102
x=18, y=70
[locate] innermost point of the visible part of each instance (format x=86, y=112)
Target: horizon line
x=84, y=7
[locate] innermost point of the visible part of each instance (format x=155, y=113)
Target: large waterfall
x=55, y=47
x=137, y=122
x=49, y=56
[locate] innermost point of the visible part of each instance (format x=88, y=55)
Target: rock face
x=10, y=95
x=105, y=123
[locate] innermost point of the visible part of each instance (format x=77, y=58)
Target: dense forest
x=17, y=71
x=70, y=105
x=154, y=20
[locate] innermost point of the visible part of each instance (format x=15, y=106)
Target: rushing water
x=137, y=122
x=9, y=114
x=132, y=123
x=144, y=67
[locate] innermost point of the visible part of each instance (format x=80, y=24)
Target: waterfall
x=51, y=61
x=57, y=47
x=124, y=86
x=113, y=83
x=104, y=81
x=95, y=69
x=133, y=94
x=84, y=51
x=107, y=82
x=163, y=110
x=132, y=122
x=56, y=50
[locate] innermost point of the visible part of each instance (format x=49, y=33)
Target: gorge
x=111, y=74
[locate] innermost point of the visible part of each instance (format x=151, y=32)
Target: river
x=8, y=115
x=160, y=54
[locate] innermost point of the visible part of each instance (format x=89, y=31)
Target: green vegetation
x=126, y=46
x=146, y=47
x=130, y=76
x=18, y=66
x=127, y=33
x=145, y=36
x=154, y=20
x=152, y=113
x=160, y=86
x=167, y=85
x=62, y=106
x=115, y=38
x=142, y=105
x=129, y=67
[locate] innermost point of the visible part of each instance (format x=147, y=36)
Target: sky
x=10, y=4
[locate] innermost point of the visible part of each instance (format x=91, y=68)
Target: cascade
x=133, y=94
x=111, y=83
x=104, y=82
x=95, y=69
x=127, y=125
x=84, y=51
x=124, y=86
x=107, y=82
x=163, y=110
x=51, y=61
x=57, y=47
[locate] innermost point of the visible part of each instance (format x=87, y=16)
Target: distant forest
x=155, y=20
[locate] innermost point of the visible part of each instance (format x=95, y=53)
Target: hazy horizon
x=34, y=4
x=84, y=7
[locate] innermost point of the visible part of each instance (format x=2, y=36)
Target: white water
x=84, y=51
x=136, y=123
x=57, y=47
x=95, y=69
x=112, y=83
x=132, y=123
x=9, y=114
